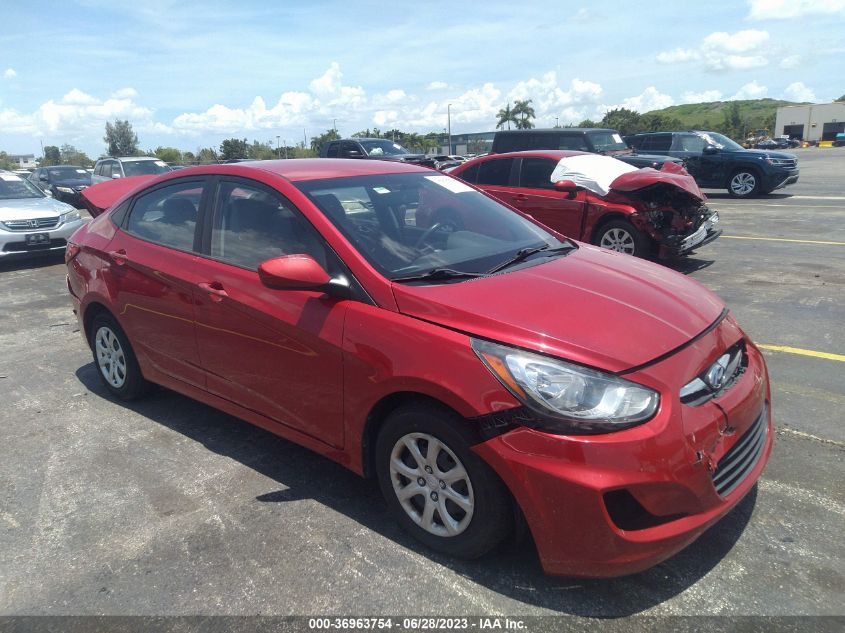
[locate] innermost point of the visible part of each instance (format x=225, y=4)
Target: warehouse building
x=813, y=122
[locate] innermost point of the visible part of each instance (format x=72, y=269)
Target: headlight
x=70, y=216
x=65, y=189
x=570, y=398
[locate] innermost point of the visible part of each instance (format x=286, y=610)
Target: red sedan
x=596, y=199
x=478, y=373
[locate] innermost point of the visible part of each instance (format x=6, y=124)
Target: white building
x=23, y=161
x=814, y=122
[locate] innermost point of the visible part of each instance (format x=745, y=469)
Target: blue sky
x=189, y=74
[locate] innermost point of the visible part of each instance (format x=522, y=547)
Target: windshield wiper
x=524, y=253
x=439, y=273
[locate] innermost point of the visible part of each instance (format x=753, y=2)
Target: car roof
x=554, y=154
x=128, y=158
x=559, y=130
x=298, y=169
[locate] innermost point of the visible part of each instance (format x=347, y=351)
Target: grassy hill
x=755, y=113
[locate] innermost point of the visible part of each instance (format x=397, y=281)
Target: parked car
x=641, y=212
x=492, y=372
x=32, y=222
x=64, y=182
x=839, y=141
x=595, y=140
x=717, y=162
x=375, y=148
x=121, y=167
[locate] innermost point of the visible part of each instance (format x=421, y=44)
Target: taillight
x=71, y=251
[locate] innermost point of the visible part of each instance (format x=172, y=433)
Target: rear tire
x=622, y=237
x=439, y=491
x=743, y=183
x=115, y=360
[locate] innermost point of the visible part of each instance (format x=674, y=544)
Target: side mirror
x=710, y=149
x=115, y=176
x=565, y=185
x=43, y=178
x=353, y=153
x=293, y=272
x=48, y=192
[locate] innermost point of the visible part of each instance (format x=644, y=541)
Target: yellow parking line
x=781, y=239
x=803, y=352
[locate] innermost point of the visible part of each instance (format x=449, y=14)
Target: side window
x=252, y=224
x=333, y=150
x=168, y=215
x=660, y=143
x=350, y=149
x=106, y=169
x=98, y=169
x=470, y=174
x=573, y=142
x=495, y=172
x=689, y=143
x=536, y=173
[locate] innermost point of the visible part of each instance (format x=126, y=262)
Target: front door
x=275, y=352
x=537, y=197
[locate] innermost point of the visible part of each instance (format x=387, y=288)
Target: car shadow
x=688, y=264
x=724, y=195
x=513, y=571
x=41, y=260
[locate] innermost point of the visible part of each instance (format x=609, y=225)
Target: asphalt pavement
x=166, y=506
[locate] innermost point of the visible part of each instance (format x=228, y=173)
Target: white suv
x=120, y=167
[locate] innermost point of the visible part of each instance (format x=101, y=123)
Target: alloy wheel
x=431, y=484
x=743, y=183
x=618, y=240
x=110, y=357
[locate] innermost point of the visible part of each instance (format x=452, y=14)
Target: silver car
x=122, y=166
x=32, y=222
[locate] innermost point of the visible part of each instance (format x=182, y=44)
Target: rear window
x=537, y=173
x=144, y=167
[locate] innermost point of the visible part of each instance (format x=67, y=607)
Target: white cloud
x=292, y=108
x=797, y=91
x=437, y=85
x=751, y=90
x=395, y=95
x=10, y=73
x=125, y=93
x=724, y=51
x=650, y=99
x=790, y=9
x=705, y=96
x=790, y=62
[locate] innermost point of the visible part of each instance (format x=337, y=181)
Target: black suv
x=584, y=139
x=64, y=182
x=717, y=162
x=377, y=148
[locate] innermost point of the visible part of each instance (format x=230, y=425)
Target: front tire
x=441, y=492
x=743, y=184
x=115, y=360
x=622, y=237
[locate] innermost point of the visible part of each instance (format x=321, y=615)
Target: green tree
x=233, y=148
x=523, y=113
x=206, y=155
x=732, y=121
x=72, y=156
x=188, y=158
x=120, y=139
x=622, y=119
x=5, y=162
x=318, y=141
x=168, y=154
x=588, y=123
x=505, y=117
x=52, y=156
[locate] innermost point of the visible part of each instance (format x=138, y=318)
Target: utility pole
x=286, y=148
x=556, y=122
x=278, y=150
x=449, y=125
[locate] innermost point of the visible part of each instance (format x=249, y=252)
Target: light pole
x=449, y=125
x=278, y=150
x=556, y=122
x=286, y=148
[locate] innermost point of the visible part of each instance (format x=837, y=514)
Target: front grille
x=740, y=460
x=27, y=225
x=718, y=378
x=786, y=163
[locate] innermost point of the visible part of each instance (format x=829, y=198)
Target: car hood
x=72, y=182
x=762, y=153
x=29, y=208
x=671, y=174
x=593, y=306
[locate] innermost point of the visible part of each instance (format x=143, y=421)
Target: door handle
x=119, y=257
x=215, y=289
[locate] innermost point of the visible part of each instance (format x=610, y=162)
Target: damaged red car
x=595, y=199
x=485, y=376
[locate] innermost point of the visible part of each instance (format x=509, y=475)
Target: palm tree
x=505, y=117
x=525, y=112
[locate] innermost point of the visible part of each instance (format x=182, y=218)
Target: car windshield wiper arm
x=439, y=273
x=524, y=253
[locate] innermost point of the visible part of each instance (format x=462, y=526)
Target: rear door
x=155, y=266
x=275, y=352
x=498, y=177
x=537, y=197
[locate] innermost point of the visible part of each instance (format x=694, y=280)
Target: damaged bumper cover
x=678, y=245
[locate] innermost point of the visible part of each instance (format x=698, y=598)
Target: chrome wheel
x=619, y=240
x=743, y=183
x=110, y=357
x=431, y=484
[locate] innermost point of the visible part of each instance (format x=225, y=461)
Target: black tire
x=133, y=385
x=620, y=236
x=491, y=518
x=744, y=183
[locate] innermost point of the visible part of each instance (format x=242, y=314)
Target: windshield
x=607, y=141
x=144, y=167
x=69, y=173
x=404, y=224
x=719, y=140
x=383, y=148
x=13, y=188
